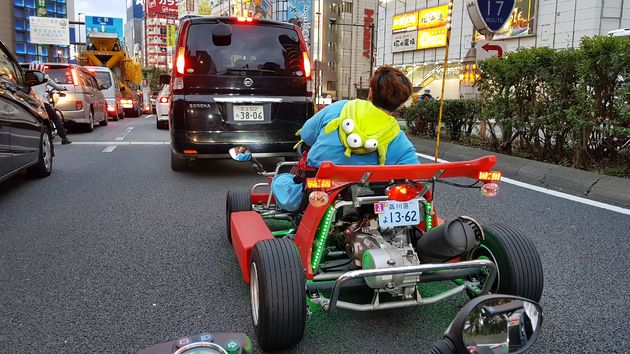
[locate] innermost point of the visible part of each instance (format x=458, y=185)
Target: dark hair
x=390, y=88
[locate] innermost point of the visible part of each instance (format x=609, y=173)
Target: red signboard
x=368, y=20
x=165, y=7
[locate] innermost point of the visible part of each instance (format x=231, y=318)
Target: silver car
x=84, y=103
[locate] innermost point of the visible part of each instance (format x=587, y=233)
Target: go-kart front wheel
x=518, y=263
x=236, y=200
x=278, y=294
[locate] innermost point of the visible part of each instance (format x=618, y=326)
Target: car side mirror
x=34, y=78
x=165, y=79
x=496, y=324
x=240, y=153
x=104, y=87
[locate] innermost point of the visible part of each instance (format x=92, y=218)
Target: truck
x=105, y=49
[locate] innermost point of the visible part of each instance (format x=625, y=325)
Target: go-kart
x=368, y=229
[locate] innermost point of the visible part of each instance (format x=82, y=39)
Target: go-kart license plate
x=248, y=113
x=391, y=213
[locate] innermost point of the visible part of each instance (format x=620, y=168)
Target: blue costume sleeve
x=401, y=152
x=313, y=127
x=288, y=194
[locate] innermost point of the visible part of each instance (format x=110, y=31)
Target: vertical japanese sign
x=300, y=14
x=368, y=20
x=171, y=34
x=49, y=30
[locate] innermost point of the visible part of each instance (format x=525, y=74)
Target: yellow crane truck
x=105, y=50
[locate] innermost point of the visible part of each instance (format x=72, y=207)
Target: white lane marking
x=550, y=191
x=123, y=135
x=149, y=116
x=110, y=148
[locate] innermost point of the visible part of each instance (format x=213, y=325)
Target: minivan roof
x=207, y=19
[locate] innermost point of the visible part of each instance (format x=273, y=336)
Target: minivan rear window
x=254, y=50
x=103, y=78
x=60, y=75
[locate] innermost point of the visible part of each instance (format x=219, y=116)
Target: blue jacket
x=328, y=147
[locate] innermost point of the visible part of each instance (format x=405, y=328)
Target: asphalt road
x=114, y=252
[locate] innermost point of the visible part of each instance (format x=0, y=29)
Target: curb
x=603, y=188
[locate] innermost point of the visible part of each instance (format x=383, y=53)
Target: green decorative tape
x=428, y=216
x=322, y=234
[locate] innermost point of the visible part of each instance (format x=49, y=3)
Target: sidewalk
x=607, y=189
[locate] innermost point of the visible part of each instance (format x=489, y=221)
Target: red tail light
x=163, y=99
x=79, y=105
x=181, y=61
x=489, y=176
x=402, y=192
x=111, y=108
x=307, y=65
x=75, y=77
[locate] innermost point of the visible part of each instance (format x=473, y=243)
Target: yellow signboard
x=433, y=17
x=432, y=37
x=405, y=21
x=171, y=33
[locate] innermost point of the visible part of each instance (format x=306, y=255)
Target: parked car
x=237, y=80
x=161, y=107
x=84, y=103
x=110, y=89
x=25, y=130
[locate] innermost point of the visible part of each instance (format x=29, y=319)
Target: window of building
x=346, y=7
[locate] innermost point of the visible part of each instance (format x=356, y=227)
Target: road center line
x=123, y=135
x=108, y=143
x=110, y=148
x=551, y=192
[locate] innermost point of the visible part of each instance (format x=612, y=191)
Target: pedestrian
x=41, y=91
x=426, y=96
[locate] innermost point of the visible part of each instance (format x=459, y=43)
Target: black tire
x=43, y=167
x=278, y=294
x=236, y=200
x=90, y=125
x=517, y=260
x=178, y=163
x=104, y=122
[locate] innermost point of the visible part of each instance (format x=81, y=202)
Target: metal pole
x=371, y=49
x=448, y=42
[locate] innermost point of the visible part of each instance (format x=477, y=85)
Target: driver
x=356, y=132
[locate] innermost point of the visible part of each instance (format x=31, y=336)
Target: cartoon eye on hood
x=354, y=141
x=371, y=144
x=347, y=126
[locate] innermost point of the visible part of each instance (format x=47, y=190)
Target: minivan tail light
x=79, y=105
x=307, y=65
x=163, y=99
x=75, y=77
x=181, y=61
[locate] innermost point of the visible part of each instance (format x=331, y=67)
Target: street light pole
x=333, y=21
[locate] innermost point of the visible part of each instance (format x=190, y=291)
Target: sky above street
x=105, y=8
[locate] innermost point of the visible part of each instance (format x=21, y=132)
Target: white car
x=162, y=104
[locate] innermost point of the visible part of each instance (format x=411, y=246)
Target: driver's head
x=389, y=88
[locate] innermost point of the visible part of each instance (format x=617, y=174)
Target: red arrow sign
x=488, y=47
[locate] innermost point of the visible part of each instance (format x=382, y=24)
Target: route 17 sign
x=489, y=16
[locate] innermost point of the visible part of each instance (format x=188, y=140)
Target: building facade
x=410, y=37
x=134, y=29
x=15, y=28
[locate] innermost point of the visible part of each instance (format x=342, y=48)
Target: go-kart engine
x=373, y=248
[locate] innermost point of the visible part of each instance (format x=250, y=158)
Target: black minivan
x=237, y=81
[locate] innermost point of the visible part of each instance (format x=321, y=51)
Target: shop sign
x=432, y=38
x=368, y=22
x=404, y=41
x=405, y=22
x=433, y=17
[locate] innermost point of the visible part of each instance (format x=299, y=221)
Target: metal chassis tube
x=333, y=303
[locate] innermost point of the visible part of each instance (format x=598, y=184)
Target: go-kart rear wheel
x=236, y=200
x=519, y=268
x=278, y=294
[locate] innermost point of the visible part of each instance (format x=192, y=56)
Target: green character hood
x=363, y=128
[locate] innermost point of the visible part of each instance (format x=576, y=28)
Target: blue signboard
x=299, y=14
x=138, y=8
x=495, y=13
x=104, y=25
